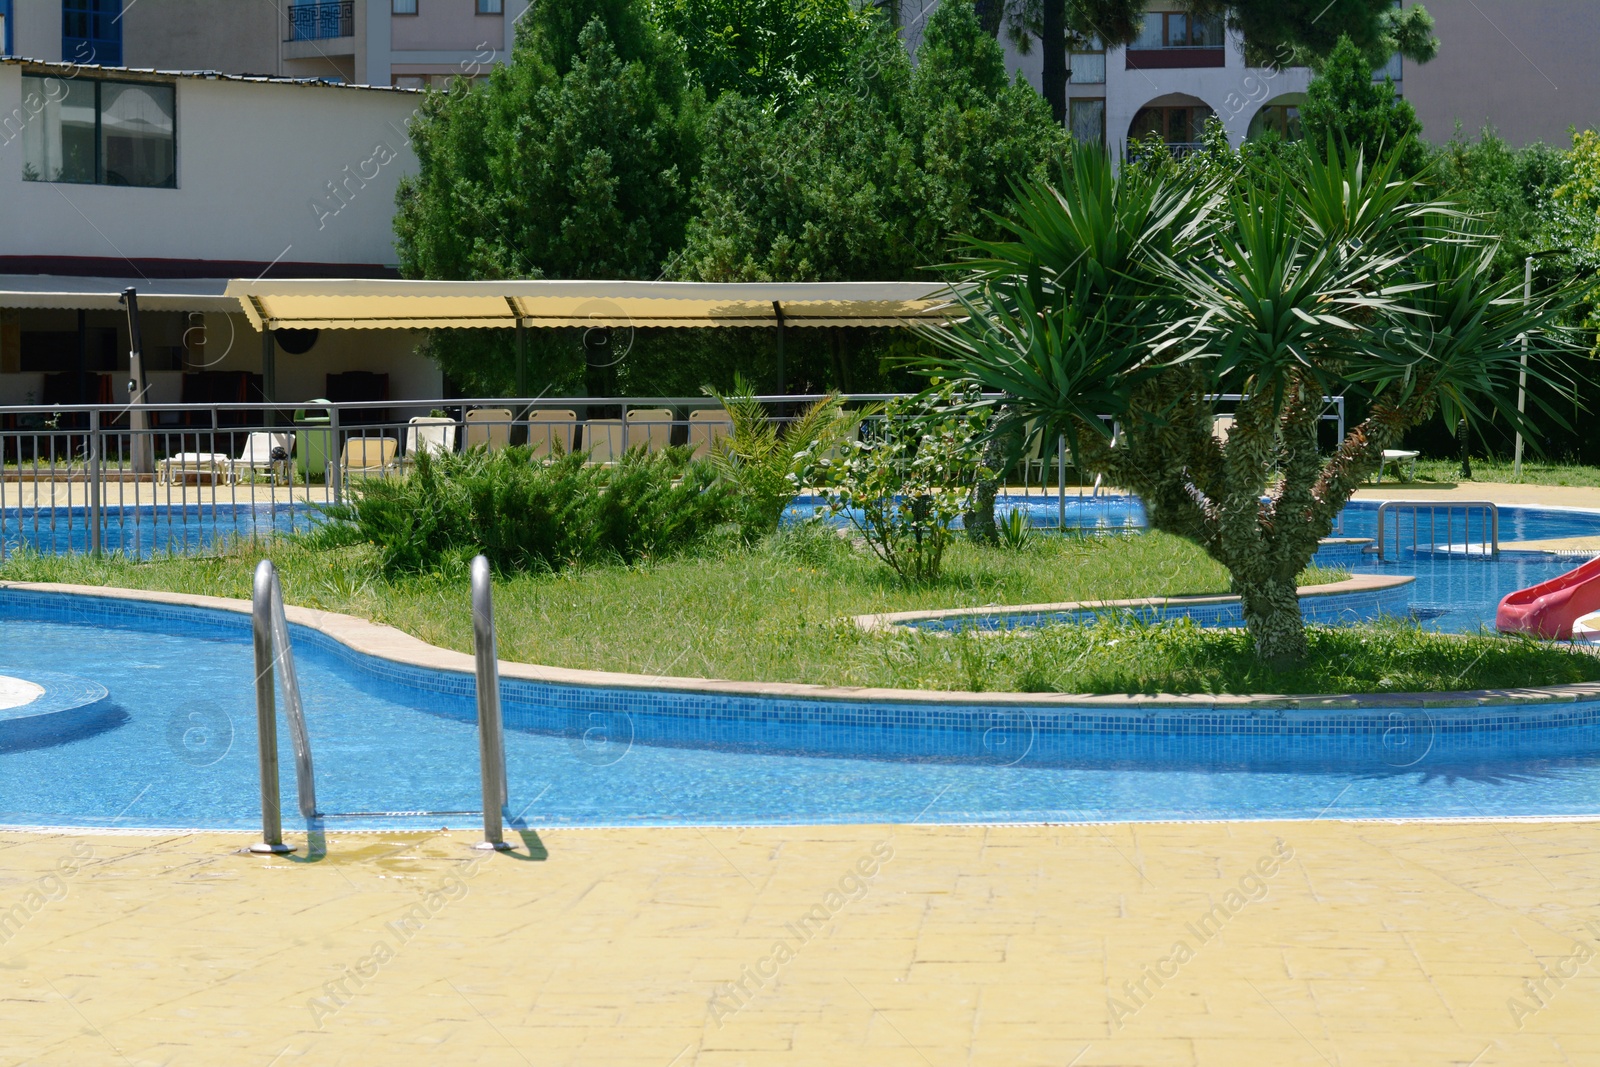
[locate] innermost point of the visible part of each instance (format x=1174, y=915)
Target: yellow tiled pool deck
x=1312, y=942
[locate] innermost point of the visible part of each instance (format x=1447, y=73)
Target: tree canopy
x=1343, y=104
x=771, y=50
x=874, y=179
x=574, y=161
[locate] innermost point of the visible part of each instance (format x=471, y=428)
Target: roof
x=383, y=304
x=377, y=304
x=102, y=294
x=72, y=70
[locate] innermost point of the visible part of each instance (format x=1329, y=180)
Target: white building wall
x=37, y=33
x=266, y=172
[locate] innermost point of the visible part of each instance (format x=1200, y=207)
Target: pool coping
x=387, y=643
x=1356, y=583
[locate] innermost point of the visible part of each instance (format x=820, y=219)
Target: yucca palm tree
x=1133, y=303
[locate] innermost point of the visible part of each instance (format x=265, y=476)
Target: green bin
x=312, y=447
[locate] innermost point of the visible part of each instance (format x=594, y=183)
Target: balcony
x=322, y=22
x=1176, y=57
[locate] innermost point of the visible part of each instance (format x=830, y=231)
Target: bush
x=904, y=487
x=526, y=515
x=760, y=461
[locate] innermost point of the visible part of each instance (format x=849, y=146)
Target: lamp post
x=139, y=444
x=1522, y=374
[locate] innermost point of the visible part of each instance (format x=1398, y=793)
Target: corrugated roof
x=378, y=304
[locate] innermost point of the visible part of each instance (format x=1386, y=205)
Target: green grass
x=780, y=611
x=1534, y=472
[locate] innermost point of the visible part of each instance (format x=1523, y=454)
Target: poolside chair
x=257, y=456
x=706, y=425
x=369, y=455
x=431, y=434
x=603, y=438
x=651, y=427
x=489, y=428
x=1032, y=455
x=551, y=430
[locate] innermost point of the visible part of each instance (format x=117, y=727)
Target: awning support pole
x=269, y=373
x=522, y=358
x=777, y=309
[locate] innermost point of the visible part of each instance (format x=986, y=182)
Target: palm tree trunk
x=1272, y=617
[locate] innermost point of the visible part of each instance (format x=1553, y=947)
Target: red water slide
x=1550, y=608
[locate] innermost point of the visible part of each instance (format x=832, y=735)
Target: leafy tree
x=574, y=161
x=1344, y=105
x=1574, y=224
x=1138, y=299
x=1512, y=189
x=772, y=50
x=871, y=181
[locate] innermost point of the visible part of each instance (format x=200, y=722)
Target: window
x=1178, y=29
x=1280, y=119
x=100, y=133
x=1087, y=64
x=490, y=7
x=91, y=32
x=1088, y=121
x=405, y=7
x=1183, y=125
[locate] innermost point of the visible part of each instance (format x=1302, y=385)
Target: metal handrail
x=491, y=728
x=270, y=629
x=1489, y=533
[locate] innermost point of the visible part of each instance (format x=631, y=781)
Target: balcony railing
x=1177, y=149
x=1178, y=56
x=319, y=22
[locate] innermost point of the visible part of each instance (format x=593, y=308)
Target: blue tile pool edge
x=701, y=708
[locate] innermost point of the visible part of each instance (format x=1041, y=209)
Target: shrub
x=526, y=515
x=903, y=487
x=761, y=463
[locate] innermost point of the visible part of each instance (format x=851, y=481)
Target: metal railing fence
x=321, y=21
x=79, y=478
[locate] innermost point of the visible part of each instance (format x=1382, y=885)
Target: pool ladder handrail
x=491, y=725
x=270, y=628
x=1489, y=533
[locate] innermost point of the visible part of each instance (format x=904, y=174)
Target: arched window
x=1176, y=124
x=1280, y=117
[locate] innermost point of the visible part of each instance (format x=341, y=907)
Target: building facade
x=404, y=43
x=1525, y=67
x=173, y=184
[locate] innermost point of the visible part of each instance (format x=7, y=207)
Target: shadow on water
x=47, y=731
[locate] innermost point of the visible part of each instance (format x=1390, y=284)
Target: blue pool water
x=147, y=529
x=1455, y=592
x=175, y=747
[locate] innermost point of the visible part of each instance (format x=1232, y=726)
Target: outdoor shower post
x=94, y=482
x=491, y=731
x=266, y=715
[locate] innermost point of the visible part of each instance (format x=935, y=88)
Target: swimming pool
x=395, y=746
x=143, y=530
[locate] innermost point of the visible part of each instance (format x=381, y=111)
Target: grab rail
x=1488, y=532
x=491, y=729
x=270, y=628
